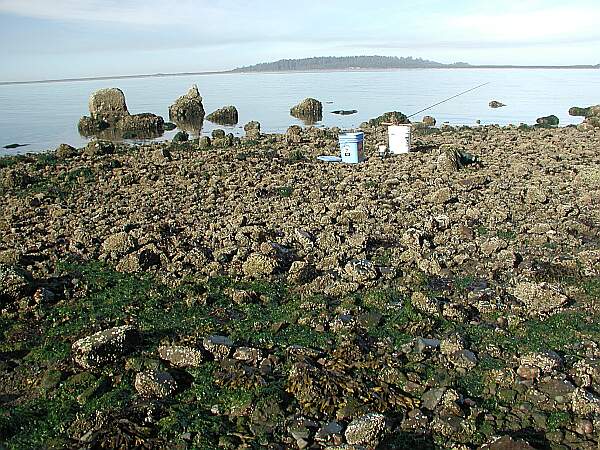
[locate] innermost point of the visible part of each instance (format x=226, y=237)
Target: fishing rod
x=448, y=99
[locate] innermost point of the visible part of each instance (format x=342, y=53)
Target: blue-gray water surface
x=46, y=115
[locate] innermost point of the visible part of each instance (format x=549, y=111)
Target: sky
x=44, y=39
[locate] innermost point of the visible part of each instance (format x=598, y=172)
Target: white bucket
x=400, y=139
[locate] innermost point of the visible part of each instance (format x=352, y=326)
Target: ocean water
x=46, y=115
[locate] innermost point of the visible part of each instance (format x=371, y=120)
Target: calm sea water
x=46, y=115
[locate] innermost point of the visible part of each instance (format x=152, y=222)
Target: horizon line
x=242, y=70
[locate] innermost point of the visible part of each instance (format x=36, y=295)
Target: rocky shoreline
x=237, y=293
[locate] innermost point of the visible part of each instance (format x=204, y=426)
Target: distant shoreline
x=238, y=71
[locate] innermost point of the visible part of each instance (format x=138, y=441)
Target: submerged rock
x=188, y=106
x=228, y=115
x=496, y=104
x=105, y=346
x=344, y=112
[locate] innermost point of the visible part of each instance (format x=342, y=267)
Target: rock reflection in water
x=191, y=126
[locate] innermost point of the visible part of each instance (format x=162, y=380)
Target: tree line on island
x=346, y=62
x=376, y=62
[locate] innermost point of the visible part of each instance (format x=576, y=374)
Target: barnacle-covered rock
x=181, y=356
x=219, y=346
x=105, y=346
x=155, y=384
x=366, y=429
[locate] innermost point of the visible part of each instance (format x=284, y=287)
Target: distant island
x=375, y=62
x=316, y=64
x=346, y=63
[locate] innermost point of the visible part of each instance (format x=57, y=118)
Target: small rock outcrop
x=105, y=346
x=228, y=115
x=591, y=114
x=394, y=117
x=309, y=110
x=188, y=106
x=252, y=130
x=429, y=121
x=496, y=104
x=548, y=121
x=108, y=105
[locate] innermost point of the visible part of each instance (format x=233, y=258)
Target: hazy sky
x=71, y=38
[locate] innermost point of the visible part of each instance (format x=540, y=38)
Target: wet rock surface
x=228, y=115
x=417, y=301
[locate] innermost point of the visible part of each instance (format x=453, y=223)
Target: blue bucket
x=352, y=147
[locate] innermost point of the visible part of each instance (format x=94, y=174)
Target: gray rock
x=426, y=345
x=188, y=106
x=429, y=121
x=496, y=104
x=361, y=270
x=99, y=148
x=309, y=109
x=181, y=356
x=366, y=429
x=157, y=384
x=14, y=178
x=105, y=346
x=108, y=104
x=228, y=115
x=219, y=346
x=14, y=283
x=64, y=151
x=540, y=298
x=252, y=130
x=432, y=398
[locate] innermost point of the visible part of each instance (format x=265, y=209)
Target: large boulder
x=109, y=118
x=188, y=107
x=309, y=109
x=228, y=115
x=105, y=346
x=591, y=114
x=108, y=104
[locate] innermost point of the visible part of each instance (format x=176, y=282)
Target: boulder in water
x=188, y=106
x=108, y=105
x=548, y=121
x=344, y=112
x=309, y=110
x=110, y=118
x=228, y=115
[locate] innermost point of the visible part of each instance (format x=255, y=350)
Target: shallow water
x=46, y=115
